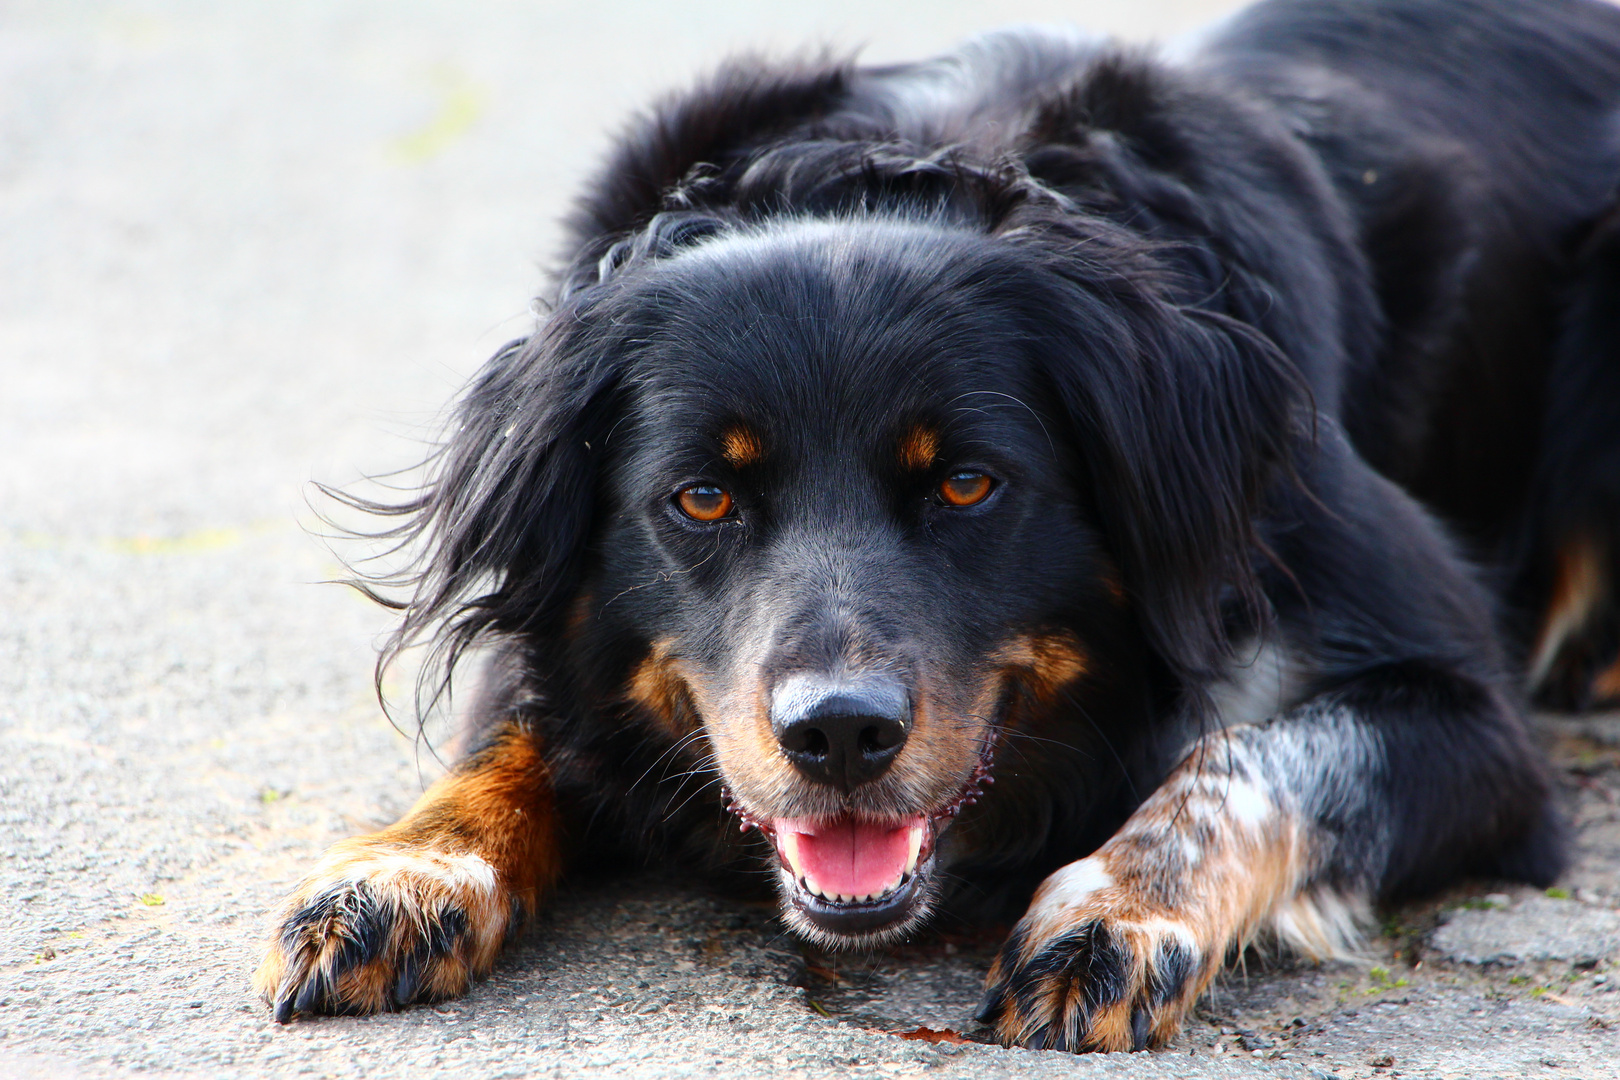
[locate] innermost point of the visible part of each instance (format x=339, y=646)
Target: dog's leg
x=1571, y=563
x=417, y=911
x=1292, y=826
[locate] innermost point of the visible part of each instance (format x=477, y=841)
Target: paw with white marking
x=381, y=924
x=1094, y=965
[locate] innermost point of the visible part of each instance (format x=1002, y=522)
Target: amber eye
x=704, y=502
x=965, y=489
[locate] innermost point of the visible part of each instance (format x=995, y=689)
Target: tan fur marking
x=1047, y=662
x=919, y=448
x=656, y=685
x=366, y=987
x=1606, y=687
x=477, y=840
x=579, y=612
x=1114, y=587
x=1579, y=585
x=498, y=805
x=938, y=757
x=741, y=446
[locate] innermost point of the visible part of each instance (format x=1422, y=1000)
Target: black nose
x=842, y=734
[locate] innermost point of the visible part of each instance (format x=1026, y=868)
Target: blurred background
x=245, y=243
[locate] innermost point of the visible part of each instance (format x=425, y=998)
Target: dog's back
x=1478, y=145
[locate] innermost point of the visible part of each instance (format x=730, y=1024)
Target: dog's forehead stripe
x=741, y=446
x=919, y=448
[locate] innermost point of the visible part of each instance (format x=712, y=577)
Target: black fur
x=1310, y=340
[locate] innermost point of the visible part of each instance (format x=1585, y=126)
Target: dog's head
x=843, y=498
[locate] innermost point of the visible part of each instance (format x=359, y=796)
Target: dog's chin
x=849, y=883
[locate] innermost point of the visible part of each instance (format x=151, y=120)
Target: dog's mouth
x=855, y=880
x=851, y=876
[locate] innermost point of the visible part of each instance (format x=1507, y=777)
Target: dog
x=1134, y=496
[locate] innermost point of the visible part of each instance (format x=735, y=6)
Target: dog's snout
x=841, y=733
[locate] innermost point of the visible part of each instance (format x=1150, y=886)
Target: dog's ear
x=501, y=525
x=508, y=512
x=1183, y=420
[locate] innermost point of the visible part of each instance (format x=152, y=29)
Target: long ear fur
x=1180, y=454
x=501, y=525
x=1184, y=418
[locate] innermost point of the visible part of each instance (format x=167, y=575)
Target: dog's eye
x=965, y=488
x=704, y=502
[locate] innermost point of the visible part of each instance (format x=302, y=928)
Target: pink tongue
x=849, y=856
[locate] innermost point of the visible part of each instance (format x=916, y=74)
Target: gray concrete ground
x=246, y=245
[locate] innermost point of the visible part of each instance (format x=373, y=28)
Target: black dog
x=1053, y=415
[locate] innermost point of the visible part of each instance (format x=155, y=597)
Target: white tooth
x=810, y=885
x=790, y=850
x=914, y=847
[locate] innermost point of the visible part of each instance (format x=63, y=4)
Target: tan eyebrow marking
x=919, y=448
x=741, y=446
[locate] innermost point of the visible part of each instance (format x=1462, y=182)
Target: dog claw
x=989, y=1007
x=1141, y=1028
x=312, y=996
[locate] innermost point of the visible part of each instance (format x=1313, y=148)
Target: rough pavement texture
x=1496, y=931
x=251, y=244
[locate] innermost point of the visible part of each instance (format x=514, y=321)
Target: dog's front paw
x=1091, y=967
x=380, y=925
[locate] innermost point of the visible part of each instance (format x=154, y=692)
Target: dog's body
x=1052, y=416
